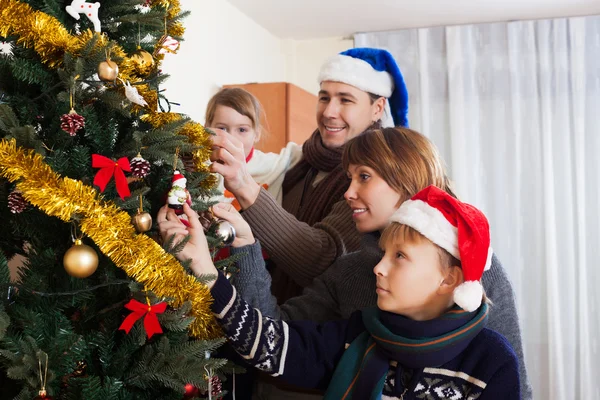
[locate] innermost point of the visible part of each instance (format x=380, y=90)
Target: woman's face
x=371, y=199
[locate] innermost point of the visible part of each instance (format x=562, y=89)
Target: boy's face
x=409, y=279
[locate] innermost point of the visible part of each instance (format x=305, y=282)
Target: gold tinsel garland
x=110, y=228
x=49, y=38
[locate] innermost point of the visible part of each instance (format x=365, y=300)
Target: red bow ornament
x=150, y=320
x=108, y=168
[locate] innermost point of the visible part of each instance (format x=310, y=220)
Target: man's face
x=344, y=111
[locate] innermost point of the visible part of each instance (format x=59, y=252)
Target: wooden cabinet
x=289, y=110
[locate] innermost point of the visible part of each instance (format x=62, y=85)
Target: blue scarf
x=363, y=368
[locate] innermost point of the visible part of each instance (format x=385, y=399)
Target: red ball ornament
x=191, y=391
x=43, y=396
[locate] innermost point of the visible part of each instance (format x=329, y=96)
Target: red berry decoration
x=216, y=387
x=72, y=122
x=139, y=166
x=16, y=203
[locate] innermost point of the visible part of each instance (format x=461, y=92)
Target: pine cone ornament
x=140, y=168
x=216, y=387
x=72, y=122
x=16, y=203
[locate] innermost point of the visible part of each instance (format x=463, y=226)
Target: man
x=314, y=225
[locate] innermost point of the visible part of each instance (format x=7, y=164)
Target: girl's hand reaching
x=196, y=249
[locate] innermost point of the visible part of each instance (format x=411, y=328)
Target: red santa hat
x=460, y=229
x=177, y=176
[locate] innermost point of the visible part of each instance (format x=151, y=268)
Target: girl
x=236, y=112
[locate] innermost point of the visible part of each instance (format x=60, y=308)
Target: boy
x=424, y=340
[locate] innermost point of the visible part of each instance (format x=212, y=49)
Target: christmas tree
x=88, y=150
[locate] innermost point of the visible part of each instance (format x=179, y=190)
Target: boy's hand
x=197, y=247
x=243, y=233
x=229, y=160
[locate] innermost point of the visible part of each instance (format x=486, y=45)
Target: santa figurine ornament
x=178, y=194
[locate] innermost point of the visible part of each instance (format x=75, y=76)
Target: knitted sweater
x=268, y=169
x=306, y=354
x=302, y=251
x=349, y=285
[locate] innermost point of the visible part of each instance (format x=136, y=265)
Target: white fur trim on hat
x=488, y=260
x=357, y=73
x=468, y=295
x=387, y=121
x=430, y=222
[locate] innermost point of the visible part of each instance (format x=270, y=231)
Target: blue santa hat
x=374, y=71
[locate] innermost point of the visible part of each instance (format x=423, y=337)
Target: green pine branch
x=4, y=322
x=30, y=72
x=8, y=119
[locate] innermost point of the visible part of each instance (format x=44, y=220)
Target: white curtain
x=515, y=110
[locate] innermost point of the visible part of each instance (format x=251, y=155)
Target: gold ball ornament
x=142, y=58
x=142, y=222
x=80, y=260
x=108, y=70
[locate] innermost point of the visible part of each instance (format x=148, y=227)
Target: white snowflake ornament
x=133, y=96
x=6, y=49
x=142, y=8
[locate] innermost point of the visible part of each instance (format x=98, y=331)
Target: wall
x=224, y=46
x=304, y=59
x=221, y=46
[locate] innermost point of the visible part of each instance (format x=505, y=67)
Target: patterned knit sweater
x=306, y=354
x=348, y=285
